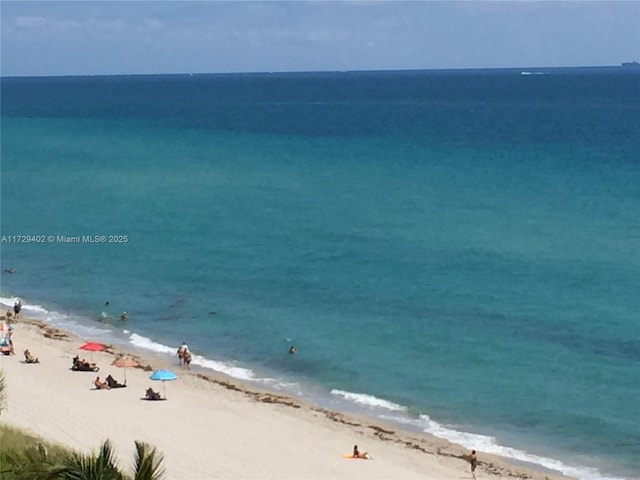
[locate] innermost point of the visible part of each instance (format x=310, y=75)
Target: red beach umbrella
x=92, y=347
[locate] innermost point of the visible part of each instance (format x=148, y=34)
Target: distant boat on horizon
x=630, y=65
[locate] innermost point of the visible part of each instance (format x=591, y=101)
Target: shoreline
x=310, y=439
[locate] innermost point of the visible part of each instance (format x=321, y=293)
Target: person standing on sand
x=16, y=309
x=182, y=353
x=473, y=462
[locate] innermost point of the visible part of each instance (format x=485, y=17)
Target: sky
x=146, y=37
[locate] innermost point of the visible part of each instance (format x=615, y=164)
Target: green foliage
x=15, y=439
x=78, y=466
x=148, y=463
x=25, y=457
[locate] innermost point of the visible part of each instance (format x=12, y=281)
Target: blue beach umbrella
x=163, y=375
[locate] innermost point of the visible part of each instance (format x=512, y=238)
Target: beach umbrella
x=163, y=376
x=92, y=347
x=125, y=362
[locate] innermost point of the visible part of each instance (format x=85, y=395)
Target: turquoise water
x=458, y=252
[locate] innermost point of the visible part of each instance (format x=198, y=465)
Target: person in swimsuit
x=473, y=462
x=100, y=385
x=357, y=454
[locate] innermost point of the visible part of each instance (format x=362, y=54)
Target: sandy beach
x=210, y=426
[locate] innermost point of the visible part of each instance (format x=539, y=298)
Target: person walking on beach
x=183, y=348
x=473, y=462
x=16, y=309
x=183, y=354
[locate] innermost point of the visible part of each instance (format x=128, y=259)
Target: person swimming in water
x=292, y=349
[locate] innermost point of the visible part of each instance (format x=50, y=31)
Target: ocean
x=457, y=252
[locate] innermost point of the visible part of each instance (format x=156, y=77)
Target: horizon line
x=452, y=69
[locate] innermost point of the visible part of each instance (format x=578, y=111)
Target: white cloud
x=30, y=22
x=299, y=35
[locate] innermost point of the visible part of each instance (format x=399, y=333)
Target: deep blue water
x=455, y=251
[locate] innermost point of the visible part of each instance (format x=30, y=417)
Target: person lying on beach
x=29, y=358
x=357, y=454
x=113, y=383
x=82, y=364
x=100, y=385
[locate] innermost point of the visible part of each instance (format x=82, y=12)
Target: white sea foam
x=70, y=323
x=488, y=444
x=228, y=369
x=234, y=371
x=483, y=443
x=278, y=384
x=9, y=302
x=368, y=400
x=146, y=343
x=423, y=422
x=76, y=326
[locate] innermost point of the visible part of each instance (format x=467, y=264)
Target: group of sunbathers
x=108, y=384
x=82, y=364
x=111, y=382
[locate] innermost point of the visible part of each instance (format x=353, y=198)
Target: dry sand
x=211, y=426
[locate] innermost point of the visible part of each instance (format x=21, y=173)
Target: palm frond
x=148, y=463
x=29, y=464
x=79, y=466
